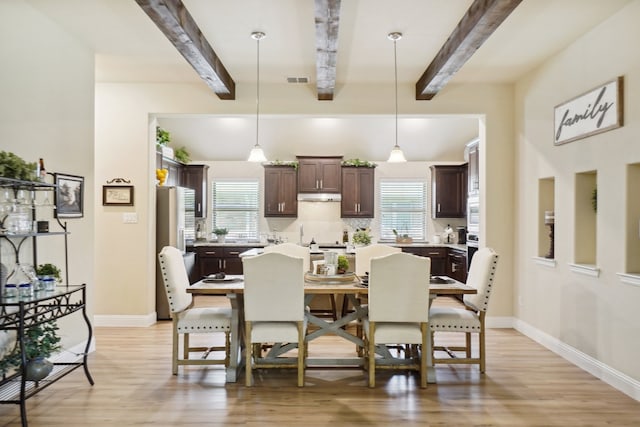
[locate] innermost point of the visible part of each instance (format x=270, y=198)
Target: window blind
x=403, y=207
x=236, y=208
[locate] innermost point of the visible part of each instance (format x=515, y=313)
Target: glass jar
x=20, y=281
x=25, y=291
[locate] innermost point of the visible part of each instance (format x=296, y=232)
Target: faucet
x=301, y=233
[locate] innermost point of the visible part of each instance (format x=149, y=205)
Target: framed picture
x=69, y=196
x=593, y=112
x=117, y=195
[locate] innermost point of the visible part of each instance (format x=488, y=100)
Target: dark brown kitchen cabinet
x=196, y=177
x=449, y=191
x=216, y=259
x=457, y=264
x=319, y=174
x=280, y=191
x=357, y=192
x=174, y=176
x=473, y=185
x=438, y=257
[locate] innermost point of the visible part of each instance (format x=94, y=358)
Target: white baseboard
x=122, y=321
x=614, y=378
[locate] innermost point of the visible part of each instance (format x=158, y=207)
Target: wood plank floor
x=525, y=385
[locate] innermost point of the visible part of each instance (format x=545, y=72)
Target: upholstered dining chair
x=398, y=312
x=273, y=309
x=187, y=319
x=471, y=318
x=363, y=261
x=295, y=250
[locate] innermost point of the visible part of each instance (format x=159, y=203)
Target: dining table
x=232, y=287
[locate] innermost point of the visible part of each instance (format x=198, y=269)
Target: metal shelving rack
x=18, y=314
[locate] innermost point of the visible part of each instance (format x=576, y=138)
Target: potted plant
x=182, y=155
x=48, y=274
x=40, y=342
x=343, y=264
x=361, y=237
x=402, y=238
x=12, y=166
x=220, y=234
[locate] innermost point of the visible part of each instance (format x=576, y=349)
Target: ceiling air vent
x=297, y=79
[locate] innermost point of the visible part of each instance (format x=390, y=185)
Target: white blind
x=403, y=207
x=235, y=207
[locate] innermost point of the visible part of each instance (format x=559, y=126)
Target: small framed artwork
x=69, y=196
x=117, y=195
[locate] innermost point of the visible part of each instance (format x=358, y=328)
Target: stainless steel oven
x=473, y=226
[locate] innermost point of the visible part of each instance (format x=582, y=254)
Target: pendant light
x=257, y=155
x=396, y=156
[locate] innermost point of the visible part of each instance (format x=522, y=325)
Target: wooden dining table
x=232, y=287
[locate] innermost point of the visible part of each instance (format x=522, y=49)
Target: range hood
x=319, y=197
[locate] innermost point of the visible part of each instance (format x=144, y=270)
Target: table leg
x=431, y=371
x=235, y=360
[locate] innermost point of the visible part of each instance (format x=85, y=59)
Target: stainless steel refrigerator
x=175, y=225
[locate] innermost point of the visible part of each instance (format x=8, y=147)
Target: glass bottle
x=18, y=279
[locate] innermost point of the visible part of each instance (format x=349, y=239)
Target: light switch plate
x=130, y=218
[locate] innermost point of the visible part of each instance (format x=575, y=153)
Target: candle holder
x=549, y=219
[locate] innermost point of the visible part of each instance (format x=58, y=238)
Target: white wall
x=46, y=110
x=596, y=316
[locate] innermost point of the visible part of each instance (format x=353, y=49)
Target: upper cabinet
x=449, y=191
x=319, y=174
x=357, y=192
x=196, y=177
x=474, y=167
x=280, y=191
x=174, y=175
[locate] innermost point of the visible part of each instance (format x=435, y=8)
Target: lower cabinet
x=438, y=257
x=457, y=264
x=219, y=259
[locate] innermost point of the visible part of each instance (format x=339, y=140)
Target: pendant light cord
x=395, y=62
x=257, y=87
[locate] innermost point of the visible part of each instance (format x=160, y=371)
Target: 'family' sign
x=596, y=111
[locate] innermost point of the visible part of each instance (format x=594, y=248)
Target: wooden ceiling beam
x=327, y=15
x=480, y=21
x=175, y=21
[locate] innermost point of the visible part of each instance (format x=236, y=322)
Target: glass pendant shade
x=396, y=156
x=256, y=154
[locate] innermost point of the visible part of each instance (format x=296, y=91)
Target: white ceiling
x=130, y=48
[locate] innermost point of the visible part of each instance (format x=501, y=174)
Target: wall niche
x=546, y=209
x=585, y=223
x=632, y=234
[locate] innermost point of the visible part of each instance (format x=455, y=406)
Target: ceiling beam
x=327, y=24
x=480, y=21
x=175, y=21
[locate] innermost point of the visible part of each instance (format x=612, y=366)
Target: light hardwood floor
x=525, y=385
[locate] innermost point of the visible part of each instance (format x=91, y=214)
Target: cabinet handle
x=317, y=186
x=199, y=207
x=224, y=264
x=219, y=264
x=438, y=207
x=454, y=268
x=234, y=253
x=433, y=253
x=210, y=253
x=321, y=186
x=283, y=206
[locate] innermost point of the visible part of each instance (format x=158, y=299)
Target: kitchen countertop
x=333, y=247
x=258, y=249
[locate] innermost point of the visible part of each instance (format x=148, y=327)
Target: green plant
x=362, y=237
x=163, y=137
x=395, y=233
x=293, y=164
x=359, y=163
x=40, y=340
x=48, y=270
x=182, y=155
x=12, y=166
x=220, y=231
x=343, y=263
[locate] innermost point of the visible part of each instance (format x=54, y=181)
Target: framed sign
x=593, y=112
x=117, y=195
x=69, y=196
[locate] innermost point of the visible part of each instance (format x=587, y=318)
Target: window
x=403, y=207
x=235, y=207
